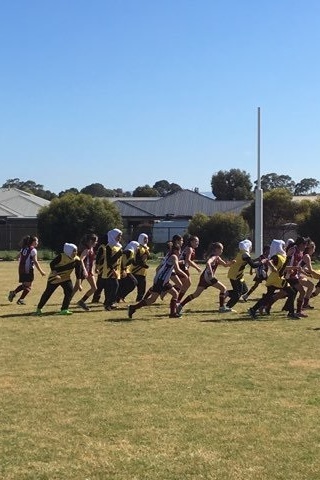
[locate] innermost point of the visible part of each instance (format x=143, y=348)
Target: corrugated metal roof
x=128, y=210
x=19, y=204
x=184, y=203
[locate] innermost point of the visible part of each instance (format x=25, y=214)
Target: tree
x=165, y=188
x=307, y=186
x=273, y=180
x=120, y=193
x=309, y=227
x=68, y=218
x=278, y=208
x=30, y=187
x=226, y=228
x=145, y=191
x=12, y=183
x=97, y=190
x=234, y=184
x=72, y=190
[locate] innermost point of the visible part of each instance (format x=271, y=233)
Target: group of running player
x=116, y=271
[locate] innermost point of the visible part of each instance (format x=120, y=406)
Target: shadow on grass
x=119, y=320
x=227, y=319
x=43, y=315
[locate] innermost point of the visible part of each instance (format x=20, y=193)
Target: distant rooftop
x=19, y=204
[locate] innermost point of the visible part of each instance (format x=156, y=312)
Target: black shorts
x=207, y=283
x=26, y=277
x=293, y=282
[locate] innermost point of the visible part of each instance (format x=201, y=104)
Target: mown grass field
x=208, y=396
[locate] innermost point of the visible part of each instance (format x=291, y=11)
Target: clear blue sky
x=129, y=92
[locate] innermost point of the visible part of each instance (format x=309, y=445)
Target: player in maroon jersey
x=208, y=279
x=27, y=261
x=293, y=270
x=187, y=260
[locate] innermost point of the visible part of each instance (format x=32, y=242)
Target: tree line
x=161, y=188
x=234, y=184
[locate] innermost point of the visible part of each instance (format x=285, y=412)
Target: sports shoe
x=293, y=316
x=179, y=308
x=21, y=302
x=302, y=315
x=38, y=312
x=267, y=309
x=82, y=304
x=11, y=295
x=252, y=313
x=111, y=307
x=131, y=311
x=175, y=315
x=231, y=309
x=307, y=306
x=65, y=312
x=224, y=309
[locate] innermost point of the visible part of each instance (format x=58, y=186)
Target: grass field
x=207, y=396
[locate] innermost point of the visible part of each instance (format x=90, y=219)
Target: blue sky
x=129, y=92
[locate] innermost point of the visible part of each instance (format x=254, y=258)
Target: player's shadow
x=43, y=315
x=30, y=315
x=119, y=320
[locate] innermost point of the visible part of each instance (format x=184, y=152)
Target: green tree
x=309, y=226
x=72, y=190
x=120, y=193
x=234, y=184
x=97, y=190
x=29, y=186
x=273, y=180
x=226, y=228
x=145, y=191
x=307, y=186
x=68, y=218
x=278, y=208
x=165, y=188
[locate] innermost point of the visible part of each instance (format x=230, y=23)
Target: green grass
x=208, y=396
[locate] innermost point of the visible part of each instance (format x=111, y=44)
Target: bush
x=8, y=256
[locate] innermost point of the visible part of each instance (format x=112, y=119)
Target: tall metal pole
x=258, y=231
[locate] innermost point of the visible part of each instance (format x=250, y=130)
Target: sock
x=186, y=300
x=173, y=306
x=306, y=301
x=221, y=299
x=299, y=306
x=25, y=293
x=19, y=288
x=140, y=304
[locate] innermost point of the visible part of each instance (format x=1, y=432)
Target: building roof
x=184, y=203
x=301, y=198
x=16, y=203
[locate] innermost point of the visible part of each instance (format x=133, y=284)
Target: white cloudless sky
x=129, y=92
